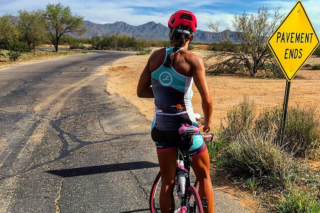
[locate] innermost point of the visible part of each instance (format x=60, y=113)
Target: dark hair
x=182, y=39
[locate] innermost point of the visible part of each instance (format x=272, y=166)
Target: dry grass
x=251, y=152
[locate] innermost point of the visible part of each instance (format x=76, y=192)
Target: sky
x=137, y=12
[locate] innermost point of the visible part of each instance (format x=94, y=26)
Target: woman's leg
x=201, y=167
x=168, y=165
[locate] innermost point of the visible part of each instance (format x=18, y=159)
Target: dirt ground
x=226, y=92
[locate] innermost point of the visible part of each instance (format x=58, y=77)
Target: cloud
x=138, y=12
x=311, y=6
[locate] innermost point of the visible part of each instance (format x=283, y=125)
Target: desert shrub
x=217, y=146
x=316, y=66
x=222, y=46
x=17, y=46
x=3, y=54
x=302, y=131
x=166, y=43
x=317, y=52
x=14, y=56
x=239, y=120
x=299, y=200
x=302, y=135
x=144, y=52
x=77, y=46
x=255, y=155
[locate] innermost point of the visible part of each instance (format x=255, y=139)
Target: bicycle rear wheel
x=194, y=204
x=154, y=199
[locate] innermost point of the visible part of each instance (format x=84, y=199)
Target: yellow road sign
x=294, y=41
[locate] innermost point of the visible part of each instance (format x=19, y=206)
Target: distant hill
x=148, y=31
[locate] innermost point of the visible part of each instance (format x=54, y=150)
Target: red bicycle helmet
x=184, y=17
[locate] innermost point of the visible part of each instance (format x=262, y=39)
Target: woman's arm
x=144, y=89
x=199, y=76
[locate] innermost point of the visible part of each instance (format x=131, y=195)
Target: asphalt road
x=67, y=145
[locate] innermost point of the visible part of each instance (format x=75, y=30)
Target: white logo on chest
x=165, y=79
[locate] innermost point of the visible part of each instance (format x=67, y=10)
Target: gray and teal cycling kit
x=170, y=89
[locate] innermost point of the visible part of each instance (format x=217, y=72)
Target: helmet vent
x=173, y=20
x=186, y=16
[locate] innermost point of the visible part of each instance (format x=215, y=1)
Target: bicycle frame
x=184, y=156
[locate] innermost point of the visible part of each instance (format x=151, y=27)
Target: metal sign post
x=284, y=115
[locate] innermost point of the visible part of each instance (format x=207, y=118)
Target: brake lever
x=212, y=138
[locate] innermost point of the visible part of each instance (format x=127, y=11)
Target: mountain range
x=149, y=31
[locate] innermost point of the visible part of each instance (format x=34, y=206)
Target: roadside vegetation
x=245, y=52
x=317, y=52
x=248, y=147
x=19, y=36
x=9, y=57
x=315, y=67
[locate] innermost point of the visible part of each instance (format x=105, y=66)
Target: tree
x=31, y=26
x=246, y=49
x=59, y=21
x=8, y=30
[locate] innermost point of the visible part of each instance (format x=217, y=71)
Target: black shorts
x=166, y=140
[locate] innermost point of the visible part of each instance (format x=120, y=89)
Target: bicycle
x=184, y=192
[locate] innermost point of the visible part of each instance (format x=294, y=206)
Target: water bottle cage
x=204, y=202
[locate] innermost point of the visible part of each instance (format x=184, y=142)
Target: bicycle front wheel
x=154, y=199
x=194, y=204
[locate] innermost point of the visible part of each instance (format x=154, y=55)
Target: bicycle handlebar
x=187, y=129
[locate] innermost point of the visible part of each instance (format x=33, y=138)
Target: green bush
x=316, y=66
x=255, y=155
x=249, y=148
x=217, y=146
x=299, y=201
x=14, y=56
x=3, y=54
x=302, y=135
x=17, y=46
x=144, y=52
x=317, y=52
x=77, y=46
x=166, y=43
x=215, y=47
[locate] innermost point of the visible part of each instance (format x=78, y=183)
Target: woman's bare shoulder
x=158, y=53
x=193, y=59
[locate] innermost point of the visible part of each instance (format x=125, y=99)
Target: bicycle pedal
x=204, y=202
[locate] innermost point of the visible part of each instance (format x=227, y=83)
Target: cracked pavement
x=67, y=145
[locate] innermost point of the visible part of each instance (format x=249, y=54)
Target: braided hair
x=182, y=38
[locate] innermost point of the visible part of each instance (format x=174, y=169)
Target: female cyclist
x=168, y=78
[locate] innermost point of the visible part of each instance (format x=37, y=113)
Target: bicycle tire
x=194, y=204
x=154, y=204
x=154, y=199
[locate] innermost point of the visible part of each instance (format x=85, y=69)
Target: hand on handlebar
x=202, y=122
x=206, y=128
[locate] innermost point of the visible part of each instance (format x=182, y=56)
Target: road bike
x=186, y=195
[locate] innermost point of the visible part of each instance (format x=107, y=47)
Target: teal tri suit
x=170, y=89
